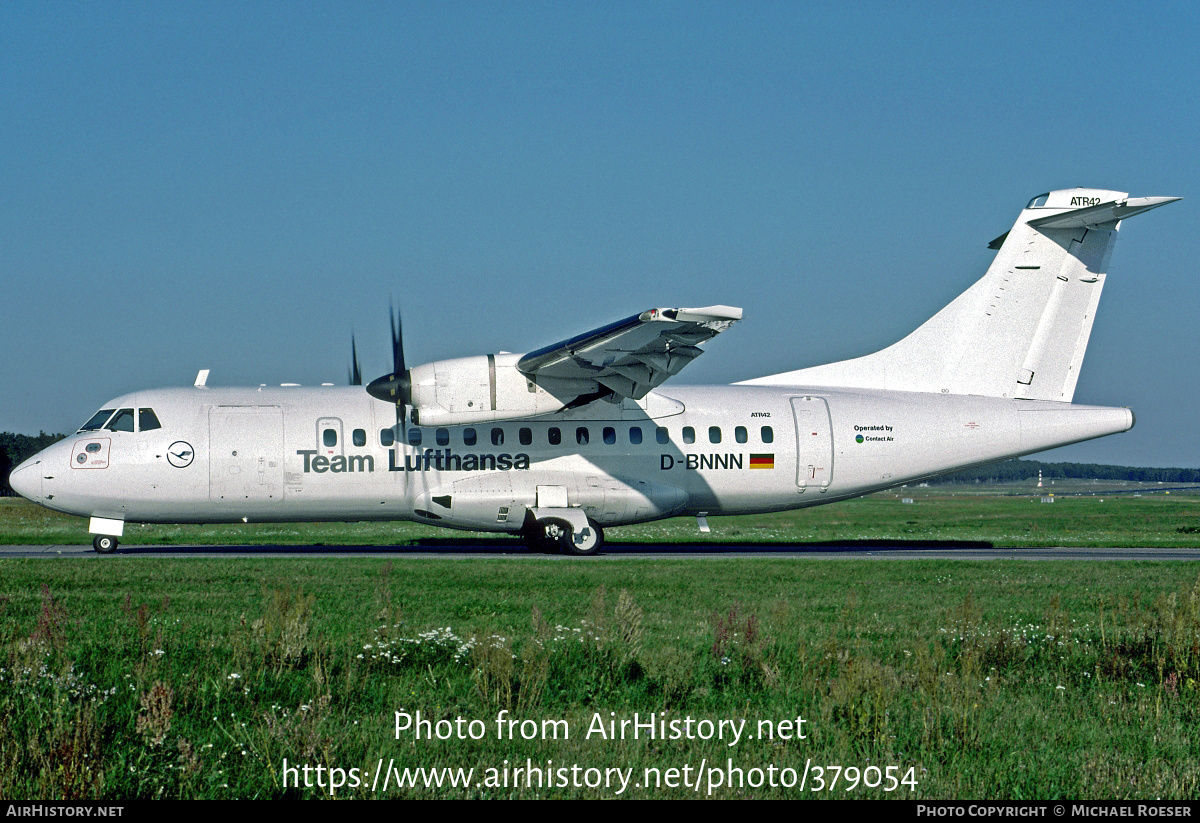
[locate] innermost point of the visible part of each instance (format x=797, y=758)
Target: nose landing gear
x=104, y=544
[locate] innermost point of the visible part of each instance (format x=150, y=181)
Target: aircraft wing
x=629, y=357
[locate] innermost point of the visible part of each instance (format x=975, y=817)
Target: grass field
x=937, y=515
x=128, y=677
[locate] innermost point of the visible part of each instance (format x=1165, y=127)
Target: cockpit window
x=98, y=420
x=1039, y=201
x=147, y=420
x=122, y=421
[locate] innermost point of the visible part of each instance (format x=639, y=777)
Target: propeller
x=397, y=386
x=355, y=369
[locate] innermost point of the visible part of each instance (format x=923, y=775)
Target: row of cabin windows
x=554, y=436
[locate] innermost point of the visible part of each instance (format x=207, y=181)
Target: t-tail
x=1022, y=330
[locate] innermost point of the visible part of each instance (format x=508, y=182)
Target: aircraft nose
x=26, y=480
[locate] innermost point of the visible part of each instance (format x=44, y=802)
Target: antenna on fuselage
x=201, y=378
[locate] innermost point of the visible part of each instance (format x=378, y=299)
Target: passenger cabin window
x=661, y=435
x=414, y=437
x=329, y=437
x=554, y=436
x=360, y=437
x=147, y=420
x=740, y=434
x=581, y=435
x=610, y=435
x=689, y=434
x=442, y=436
x=98, y=420
x=714, y=434
x=635, y=435
x=525, y=435
x=768, y=434
x=387, y=437
x=122, y=421
x=497, y=437
x=470, y=437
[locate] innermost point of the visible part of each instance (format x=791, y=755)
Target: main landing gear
x=552, y=534
x=104, y=544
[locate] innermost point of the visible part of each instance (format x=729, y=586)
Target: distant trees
x=15, y=448
x=1018, y=469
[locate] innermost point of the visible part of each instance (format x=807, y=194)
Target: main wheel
x=104, y=544
x=545, y=535
x=587, y=541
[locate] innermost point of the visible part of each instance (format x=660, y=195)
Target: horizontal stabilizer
x=1101, y=215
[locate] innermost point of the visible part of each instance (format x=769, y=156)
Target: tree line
x=1009, y=471
x=15, y=449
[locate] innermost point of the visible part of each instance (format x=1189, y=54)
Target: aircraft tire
x=104, y=544
x=545, y=535
x=536, y=542
x=589, y=546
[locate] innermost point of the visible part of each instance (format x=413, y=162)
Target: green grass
x=137, y=677
x=957, y=515
x=130, y=677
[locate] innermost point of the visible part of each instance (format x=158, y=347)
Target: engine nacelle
x=479, y=389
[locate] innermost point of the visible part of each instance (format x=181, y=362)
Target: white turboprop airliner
x=559, y=443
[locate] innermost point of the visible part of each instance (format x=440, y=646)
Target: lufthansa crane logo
x=180, y=454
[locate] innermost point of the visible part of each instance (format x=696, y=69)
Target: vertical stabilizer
x=1022, y=330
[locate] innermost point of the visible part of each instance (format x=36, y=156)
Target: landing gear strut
x=104, y=544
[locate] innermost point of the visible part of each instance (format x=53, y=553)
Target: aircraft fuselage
x=565, y=440
x=331, y=453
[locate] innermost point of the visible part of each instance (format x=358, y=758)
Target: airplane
x=558, y=444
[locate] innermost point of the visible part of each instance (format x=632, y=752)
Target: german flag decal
x=762, y=461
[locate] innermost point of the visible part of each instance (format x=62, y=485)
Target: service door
x=245, y=453
x=814, y=443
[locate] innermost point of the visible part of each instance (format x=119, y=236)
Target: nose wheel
x=104, y=544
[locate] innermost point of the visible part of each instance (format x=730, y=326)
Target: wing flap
x=634, y=355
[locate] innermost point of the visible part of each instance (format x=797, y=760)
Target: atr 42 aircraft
x=562, y=442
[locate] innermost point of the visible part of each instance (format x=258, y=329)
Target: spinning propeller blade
x=395, y=387
x=355, y=368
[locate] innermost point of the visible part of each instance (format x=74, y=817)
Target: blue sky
x=238, y=186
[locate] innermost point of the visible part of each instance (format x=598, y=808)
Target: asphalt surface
x=511, y=548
